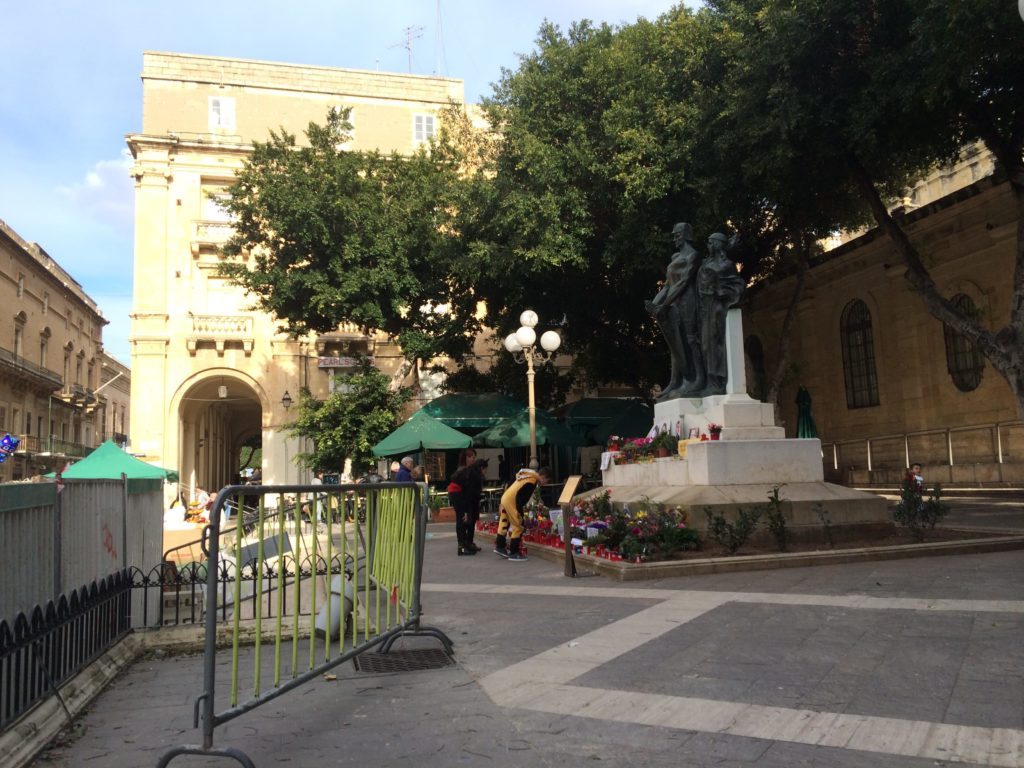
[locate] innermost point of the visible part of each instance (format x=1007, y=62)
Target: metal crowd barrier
x=375, y=556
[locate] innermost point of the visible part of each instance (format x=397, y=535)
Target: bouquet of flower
x=714, y=429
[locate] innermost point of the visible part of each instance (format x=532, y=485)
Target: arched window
x=858, y=356
x=963, y=360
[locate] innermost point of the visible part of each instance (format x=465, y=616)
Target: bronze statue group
x=690, y=310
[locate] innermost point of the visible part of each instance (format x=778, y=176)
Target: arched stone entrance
x=218, y=412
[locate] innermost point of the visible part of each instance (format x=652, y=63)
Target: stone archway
x=216, y=415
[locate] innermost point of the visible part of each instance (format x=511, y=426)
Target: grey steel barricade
x=367, y=543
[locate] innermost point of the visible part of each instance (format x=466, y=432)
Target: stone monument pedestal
x=740, y=469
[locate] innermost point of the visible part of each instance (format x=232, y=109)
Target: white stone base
x=727, y=462
x=734, y=412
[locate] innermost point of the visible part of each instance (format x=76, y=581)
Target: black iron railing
x=41, y=650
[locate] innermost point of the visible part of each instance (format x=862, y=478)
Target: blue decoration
x=8, y=445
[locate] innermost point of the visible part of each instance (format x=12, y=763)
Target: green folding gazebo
x=515, y=433
x=109, y=462
x=421, y=432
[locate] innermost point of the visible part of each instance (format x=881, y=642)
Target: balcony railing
x=30, y=372
x=210, y=235
x=221, y=329
x=33, y=445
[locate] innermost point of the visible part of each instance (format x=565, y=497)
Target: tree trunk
x=406, y=367
x=782, y=353
x=1002, y=348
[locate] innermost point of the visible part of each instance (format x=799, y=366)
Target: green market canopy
x=635, y=420
x=473, y=412
x=515, y=433
x=421, y=432
x=109, y=462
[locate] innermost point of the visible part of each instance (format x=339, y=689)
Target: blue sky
x=71, y=91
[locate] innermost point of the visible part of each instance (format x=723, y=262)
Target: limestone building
x=52, y=363
x=208, y=375
x=891, y=384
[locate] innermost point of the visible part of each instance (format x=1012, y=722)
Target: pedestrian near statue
x=464, y=491
x=913, y=479
x=508, y=542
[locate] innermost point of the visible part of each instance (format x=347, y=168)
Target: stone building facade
x=891, y=384
x=208, y=374
x=51, y=361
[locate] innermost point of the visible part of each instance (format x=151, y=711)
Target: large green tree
x=573, y=205
x=338, y=236
x=847, y=100
x=361, y=413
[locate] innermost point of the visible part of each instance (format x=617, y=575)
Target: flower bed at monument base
x=896, y=544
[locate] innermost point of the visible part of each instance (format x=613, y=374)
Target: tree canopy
x=339, y=236
x=358, y=415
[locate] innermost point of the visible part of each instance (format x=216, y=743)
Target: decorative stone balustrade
x=221, y=329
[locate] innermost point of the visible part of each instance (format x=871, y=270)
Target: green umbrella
x=634, y=421
x=109, y=462
x=805, y=426
x=421, y=432
x=478, y=411
x=515, y=433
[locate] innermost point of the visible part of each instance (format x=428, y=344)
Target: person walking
x=464, y=491
x=404, y=472
x=513, y=504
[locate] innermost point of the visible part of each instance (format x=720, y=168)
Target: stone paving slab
x=826, y=666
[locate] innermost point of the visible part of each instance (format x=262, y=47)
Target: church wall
x=967, y=240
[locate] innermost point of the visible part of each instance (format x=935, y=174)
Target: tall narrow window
x=21, y=285
x=222, y=113
x=17, y=340
x=858, y=356
x=963, y=360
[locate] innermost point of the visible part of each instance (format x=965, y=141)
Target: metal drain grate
x=402, y=661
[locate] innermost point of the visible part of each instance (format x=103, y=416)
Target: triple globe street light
x=522, y=345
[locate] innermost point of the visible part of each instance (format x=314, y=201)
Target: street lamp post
x=522, y=345
x=286, y=403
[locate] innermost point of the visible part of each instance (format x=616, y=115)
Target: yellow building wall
x=967, y=241
x=192, y=332
x=51, y=340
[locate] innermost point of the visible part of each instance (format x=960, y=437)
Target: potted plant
x=614, y=441
x=664, y=444
x=715, y=430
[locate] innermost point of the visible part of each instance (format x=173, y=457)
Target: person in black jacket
x=464, y=492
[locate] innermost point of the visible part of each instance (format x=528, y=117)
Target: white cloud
x=105, y=193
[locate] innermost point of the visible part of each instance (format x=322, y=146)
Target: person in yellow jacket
x=513, y=503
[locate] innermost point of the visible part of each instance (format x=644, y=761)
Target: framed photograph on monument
x=694, y=433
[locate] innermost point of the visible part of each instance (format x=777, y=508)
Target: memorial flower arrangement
x=635, y=449
x=649, y=531
x=714, y=430
x=665, y=440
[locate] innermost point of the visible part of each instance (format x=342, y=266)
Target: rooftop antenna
x=439, y=43
x=411, y=33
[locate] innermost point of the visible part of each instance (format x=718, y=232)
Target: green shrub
x=729, y=535
x=776, y=519
x=917, y=514
x=826, y=523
